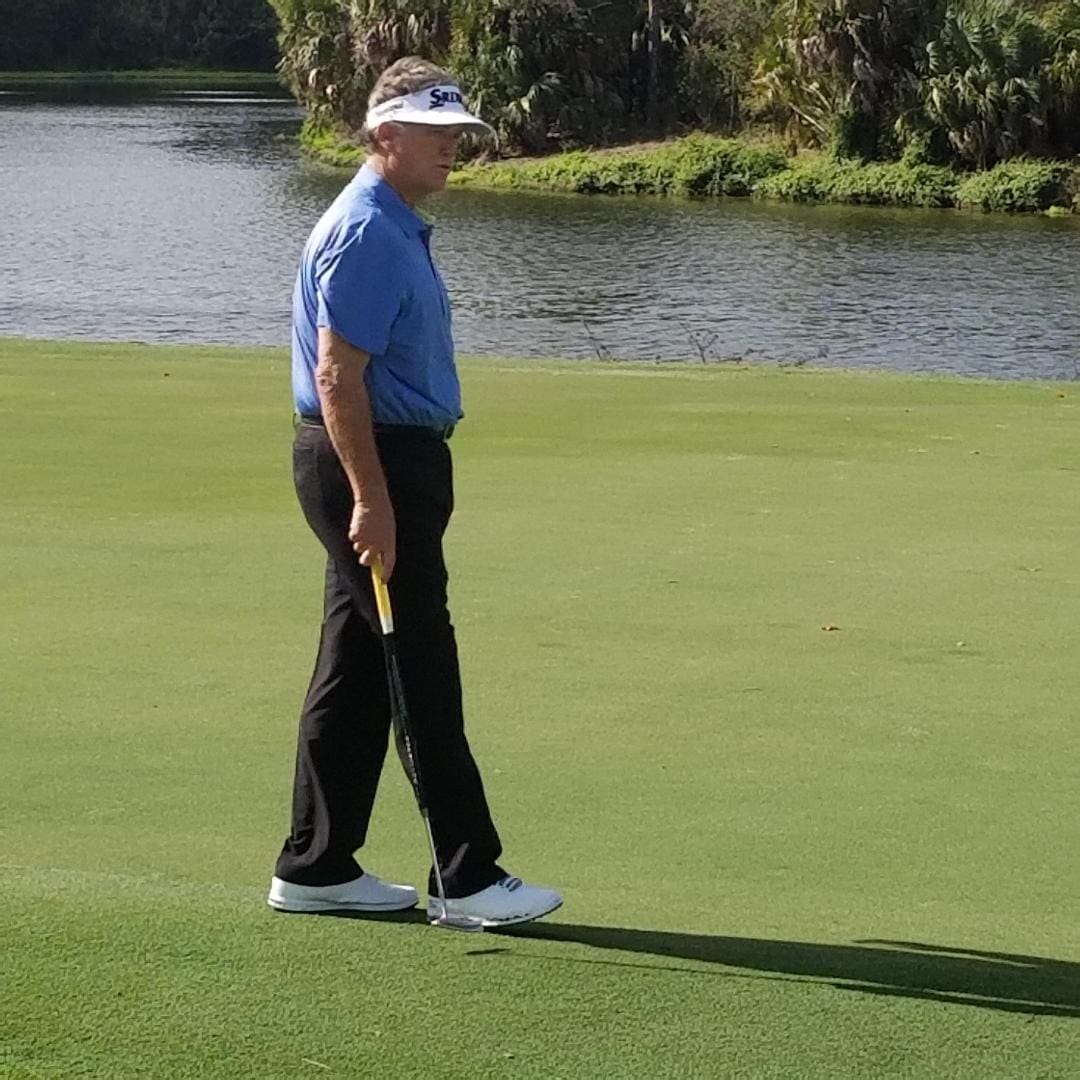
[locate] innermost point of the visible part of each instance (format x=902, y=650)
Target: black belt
x=415, y=431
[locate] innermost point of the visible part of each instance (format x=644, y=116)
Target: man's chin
x=433, y=183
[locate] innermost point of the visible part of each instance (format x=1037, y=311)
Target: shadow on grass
x=1019, y=984
x=409, y=915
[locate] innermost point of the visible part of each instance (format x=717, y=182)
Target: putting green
x=787, y=851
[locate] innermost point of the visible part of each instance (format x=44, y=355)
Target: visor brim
x=440, y=118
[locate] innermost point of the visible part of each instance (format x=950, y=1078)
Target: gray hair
x=409, y=75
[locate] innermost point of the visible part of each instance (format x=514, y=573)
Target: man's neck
x=391, y=175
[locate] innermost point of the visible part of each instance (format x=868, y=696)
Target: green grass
x=787, y=852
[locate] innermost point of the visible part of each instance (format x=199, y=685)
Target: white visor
x=436, y=105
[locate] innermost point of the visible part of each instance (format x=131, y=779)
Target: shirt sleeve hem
x=368, y=345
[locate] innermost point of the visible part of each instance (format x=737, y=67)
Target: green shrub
x=695, y=165
x=703, y=165
x=325, y=144
x=894, y=183
x=800, y=183
x=753, y=163
x=1021, y=185
x=888, y=183
x=706, y=166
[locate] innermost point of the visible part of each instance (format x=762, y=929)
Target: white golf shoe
x=505, y=903
x=365, y=893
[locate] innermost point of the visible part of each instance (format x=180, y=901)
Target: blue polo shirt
x=367, y=274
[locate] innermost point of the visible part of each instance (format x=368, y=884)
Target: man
x=376, y=388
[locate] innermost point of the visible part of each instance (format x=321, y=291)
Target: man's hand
x=373, y=532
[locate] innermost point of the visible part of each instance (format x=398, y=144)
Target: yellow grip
x=382, y=596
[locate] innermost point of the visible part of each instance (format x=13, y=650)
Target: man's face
x=420, y=155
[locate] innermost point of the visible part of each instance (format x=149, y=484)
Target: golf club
x=399, y=715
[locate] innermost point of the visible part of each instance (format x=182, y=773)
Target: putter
x=399, y=715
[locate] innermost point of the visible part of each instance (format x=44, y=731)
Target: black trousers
x=345, y=721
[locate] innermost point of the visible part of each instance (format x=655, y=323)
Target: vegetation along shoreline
x=701, y=165
x=957, y=103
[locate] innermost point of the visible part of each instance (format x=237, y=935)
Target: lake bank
x=32, y=349
x=154, y=75
x=701, y=165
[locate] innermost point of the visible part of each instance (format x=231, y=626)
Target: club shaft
x=403, y=735
x=397, y=705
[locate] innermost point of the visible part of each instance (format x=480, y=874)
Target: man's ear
x=387, y=137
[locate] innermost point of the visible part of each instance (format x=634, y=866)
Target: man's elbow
x=327, y=378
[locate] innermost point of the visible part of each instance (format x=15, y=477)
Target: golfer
x=377, y=393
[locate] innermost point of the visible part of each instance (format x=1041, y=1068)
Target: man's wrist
x=371, y=495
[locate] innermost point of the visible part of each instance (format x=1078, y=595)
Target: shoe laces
x=511, y=883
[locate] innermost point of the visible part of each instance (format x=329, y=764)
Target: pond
x=167, y=214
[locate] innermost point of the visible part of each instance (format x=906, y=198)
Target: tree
x=842, y=70
x=1001, y=82
x=1061, y=91
x=716, y=67
x=109, y=34
x=950, y=80
x=534, y=69
x=234, y=34
x=654, y=39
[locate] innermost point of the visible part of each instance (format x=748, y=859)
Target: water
x=171, y=215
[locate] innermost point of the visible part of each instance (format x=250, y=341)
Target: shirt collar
x=407, y=219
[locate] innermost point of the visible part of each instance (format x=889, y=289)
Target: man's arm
x=339, y=378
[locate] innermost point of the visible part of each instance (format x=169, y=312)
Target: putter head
x=465, y=923
x=469, y=924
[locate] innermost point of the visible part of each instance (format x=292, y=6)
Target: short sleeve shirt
x=367, y=274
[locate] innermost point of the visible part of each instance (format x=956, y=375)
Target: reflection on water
x=174, y=214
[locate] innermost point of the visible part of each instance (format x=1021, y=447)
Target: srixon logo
x=439, y=98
